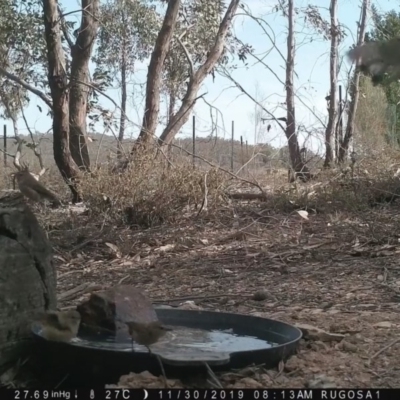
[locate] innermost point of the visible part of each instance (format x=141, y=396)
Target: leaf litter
x=337, y=275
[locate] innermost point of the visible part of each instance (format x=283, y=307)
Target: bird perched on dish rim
x=60, y=326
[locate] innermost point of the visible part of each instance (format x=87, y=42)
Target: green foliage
x=126, y=26
x=128, y=31
x=197, y=26
x=313, y=17
x=386, y=27
x=22, y=51
x=127, y=34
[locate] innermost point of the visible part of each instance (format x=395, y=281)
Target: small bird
x=147, y=334
x=60, y=326
x=378, y=58
x=33, y=189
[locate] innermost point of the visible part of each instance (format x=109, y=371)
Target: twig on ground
x=384, y=349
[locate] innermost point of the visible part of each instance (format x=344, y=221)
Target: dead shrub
x=149, y=191
x=372, y=181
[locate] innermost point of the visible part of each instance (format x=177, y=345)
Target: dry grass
x=150, y=191
x=372, y=181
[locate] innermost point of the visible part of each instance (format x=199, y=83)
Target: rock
x=27, y=275
x=123, y=302
x=348, y=347
x=321, y=381
x=249, y=383
x=293, y=364
x=261, y=295
x=319, y=346
x=144, y=380
x=282, y=380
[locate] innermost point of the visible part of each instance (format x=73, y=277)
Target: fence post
x=340, y=133
x=233, y=137
x=194, y=141
x=5, y=145
x=241, y=149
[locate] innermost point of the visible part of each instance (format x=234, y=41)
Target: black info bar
x=201, y=394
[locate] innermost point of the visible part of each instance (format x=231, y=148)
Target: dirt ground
x=338, y=272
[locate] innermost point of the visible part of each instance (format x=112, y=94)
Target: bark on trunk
x=154, y=74
x=171, y=106
x=79, y=90
x=121, y=132
x=28, y=276
x=293, y=144
x=188, y=102
x=60, y=94
x=354, y=88
x=333, y=89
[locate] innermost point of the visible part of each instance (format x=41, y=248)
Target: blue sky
x=312, y=82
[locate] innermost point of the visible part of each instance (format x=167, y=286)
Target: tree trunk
x=354, y=88
x=333, y=89
x=28, y=276
x=152, y=106
x=60, y=94
x=188, y=102
x=290, y=131
x=79, y=89
x=123, y=101
x=171, y=105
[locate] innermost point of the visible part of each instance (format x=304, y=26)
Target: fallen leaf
x=303, y=214
x=165, y=248
x=383, y=324
x=113, y=247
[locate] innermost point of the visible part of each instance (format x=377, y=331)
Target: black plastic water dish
x=223, y=340
x=281, y=339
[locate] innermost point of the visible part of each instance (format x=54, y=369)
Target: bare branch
x=37, y=152
x=7, y=153
x=27, y=86
x=218, y=167
x=64, y=29
x=260, y=22
x=17, y=155
x=354, y=86
x=283, y=83
x=188, y=102
x=191, y=67
x=333, y=72
x=240, y=87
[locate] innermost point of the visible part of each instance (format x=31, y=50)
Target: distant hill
x=216, y=150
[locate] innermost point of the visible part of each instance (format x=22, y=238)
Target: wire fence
x=235, y=153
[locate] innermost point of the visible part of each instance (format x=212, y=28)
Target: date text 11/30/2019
x=202, y=394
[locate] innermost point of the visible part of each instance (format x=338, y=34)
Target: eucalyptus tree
x=354, y=85
x=130, y=29
x=196, y=29
x=201, y=42
x=22, y=54
x=191, y=42
x=66, y=62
